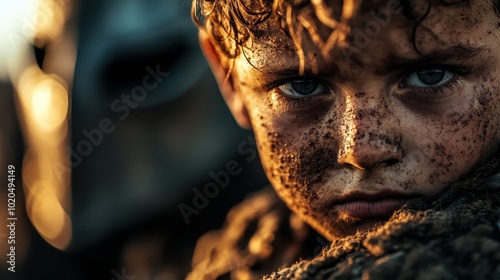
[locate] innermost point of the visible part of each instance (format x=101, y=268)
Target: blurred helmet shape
x=148, y=121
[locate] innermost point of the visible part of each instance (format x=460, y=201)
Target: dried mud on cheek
x=281, y=168
x=298, y=163
x=477, y=125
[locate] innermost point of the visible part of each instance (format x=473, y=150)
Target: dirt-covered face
x=356, y=136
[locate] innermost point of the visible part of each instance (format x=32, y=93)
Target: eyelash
x=429, y=93
x=434, y=92
x=288, y=102
x=292, y=103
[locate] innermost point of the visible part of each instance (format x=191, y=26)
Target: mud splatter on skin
x=370, y=134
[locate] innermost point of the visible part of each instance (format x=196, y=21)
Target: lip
x=372, y=205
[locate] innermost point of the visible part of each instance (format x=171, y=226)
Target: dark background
x=126, y=193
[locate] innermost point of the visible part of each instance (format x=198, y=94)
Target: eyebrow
x=454, y=53
x=292, y=69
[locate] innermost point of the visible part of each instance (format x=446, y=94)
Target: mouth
x=372, y=205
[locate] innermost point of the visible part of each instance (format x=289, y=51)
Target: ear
x=233, y=97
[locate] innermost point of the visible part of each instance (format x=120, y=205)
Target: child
x=371, y=119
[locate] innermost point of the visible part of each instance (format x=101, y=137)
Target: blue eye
x=300, y=88
x=427, y=78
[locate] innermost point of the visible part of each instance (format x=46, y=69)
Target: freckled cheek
x=273, y=140
x=294, y=156
x=290, y=151
x=281, y=159
x=457, y=148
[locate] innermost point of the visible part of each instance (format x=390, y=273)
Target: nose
x=369, y=137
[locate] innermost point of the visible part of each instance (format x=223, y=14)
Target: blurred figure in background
x=147, y=107
x=147, y=133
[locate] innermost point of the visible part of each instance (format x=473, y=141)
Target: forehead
x=378, y=32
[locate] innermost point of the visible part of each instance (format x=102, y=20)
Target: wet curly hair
x=233, y=24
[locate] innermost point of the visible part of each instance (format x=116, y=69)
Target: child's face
x=355, y=137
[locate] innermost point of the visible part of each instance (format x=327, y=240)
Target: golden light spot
x=42, y=101
x=49, y=104
x=49, y=20
x=31, y=169
x=49, y=217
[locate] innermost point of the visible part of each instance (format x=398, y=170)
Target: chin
x=342, y=226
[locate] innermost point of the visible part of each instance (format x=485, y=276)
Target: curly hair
x=233, y=24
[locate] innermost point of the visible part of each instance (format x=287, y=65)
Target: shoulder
x=260, y=235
